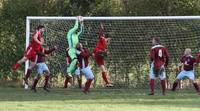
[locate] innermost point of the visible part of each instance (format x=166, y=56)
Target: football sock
x=104, y=76
x=151, y=83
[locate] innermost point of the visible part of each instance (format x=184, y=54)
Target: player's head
x=41, y=28
x=156, y=40
x=79, y=46
x=187, y=51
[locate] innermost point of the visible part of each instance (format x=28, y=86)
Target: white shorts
x=183, y=73
x=161, y=73
x=41, y=67
x=86, y=71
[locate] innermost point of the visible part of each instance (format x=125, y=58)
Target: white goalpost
x=130, y=43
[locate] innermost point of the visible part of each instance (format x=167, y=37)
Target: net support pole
x=27, y=43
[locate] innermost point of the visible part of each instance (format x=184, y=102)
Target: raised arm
x=73, y=30
x=101, y=31
x=81, y=30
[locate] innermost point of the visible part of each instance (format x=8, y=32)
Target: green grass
x=16, y=99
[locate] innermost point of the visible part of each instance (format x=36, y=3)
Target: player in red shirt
x=42, y=68
x=198, y=57
x=100, y=52
x=187, y=62
x=31, y=52
x=159, y=60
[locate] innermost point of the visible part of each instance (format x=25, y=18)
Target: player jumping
x=159, y=60
x=31, y=52
x=188, y=62
x=73, y=39
x=76, y=69
x=100, y=52
x=42, y=68
x=83, y=59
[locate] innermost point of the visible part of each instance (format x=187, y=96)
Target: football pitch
x=17, y=99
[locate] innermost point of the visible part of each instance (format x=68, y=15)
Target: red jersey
x=188, y=62
x=101, y=44
x=198, y=57
x=36, y=46
x=159, y=56
x=83, y=58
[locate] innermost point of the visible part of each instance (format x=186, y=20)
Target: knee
x=103, y=69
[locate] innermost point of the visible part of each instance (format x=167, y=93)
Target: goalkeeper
x=73, y=39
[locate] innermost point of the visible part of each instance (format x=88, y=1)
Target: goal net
x=128, y=61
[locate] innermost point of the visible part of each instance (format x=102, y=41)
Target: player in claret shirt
x=100, y=52
x=188, y=62
x=42, y=68
x=83, y=55
x=159, y=58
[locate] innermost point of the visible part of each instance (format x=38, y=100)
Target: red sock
x=15, y=66
x=87, y=84
x=104, y=76
x=151, y=83
x=163, y=84
x=196, y=87
x=66, y=82
x=35, y=83
x=174, y=86
x=46, y=81
x=28, y=73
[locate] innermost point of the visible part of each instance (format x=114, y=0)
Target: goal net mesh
x=128, y=61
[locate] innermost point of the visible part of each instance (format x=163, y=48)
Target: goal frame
x=29, y=18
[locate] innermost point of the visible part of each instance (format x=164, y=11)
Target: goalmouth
x=127, y=62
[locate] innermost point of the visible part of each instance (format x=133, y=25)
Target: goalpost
x=130, y=42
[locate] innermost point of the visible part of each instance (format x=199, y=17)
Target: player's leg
x=47, y=76
x=40, y=71
x=151, y=81
x=30, y=68
x=29, y=53
x=89, y=76
x=72, y=54
x=100, y=63
x=79, y=77
x=68, y=79
x=190, y=75
x=35, y=81
x=18, y=64
x=162, y=76
x=178, y=78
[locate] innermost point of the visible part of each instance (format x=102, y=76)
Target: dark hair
x=157, y=39
x=40, y=27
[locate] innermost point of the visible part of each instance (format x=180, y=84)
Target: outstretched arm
x=81, y=30
x=73, y=30
x=50, y=50
x=101, y=31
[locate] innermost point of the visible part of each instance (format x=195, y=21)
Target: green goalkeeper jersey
x=72, y=37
